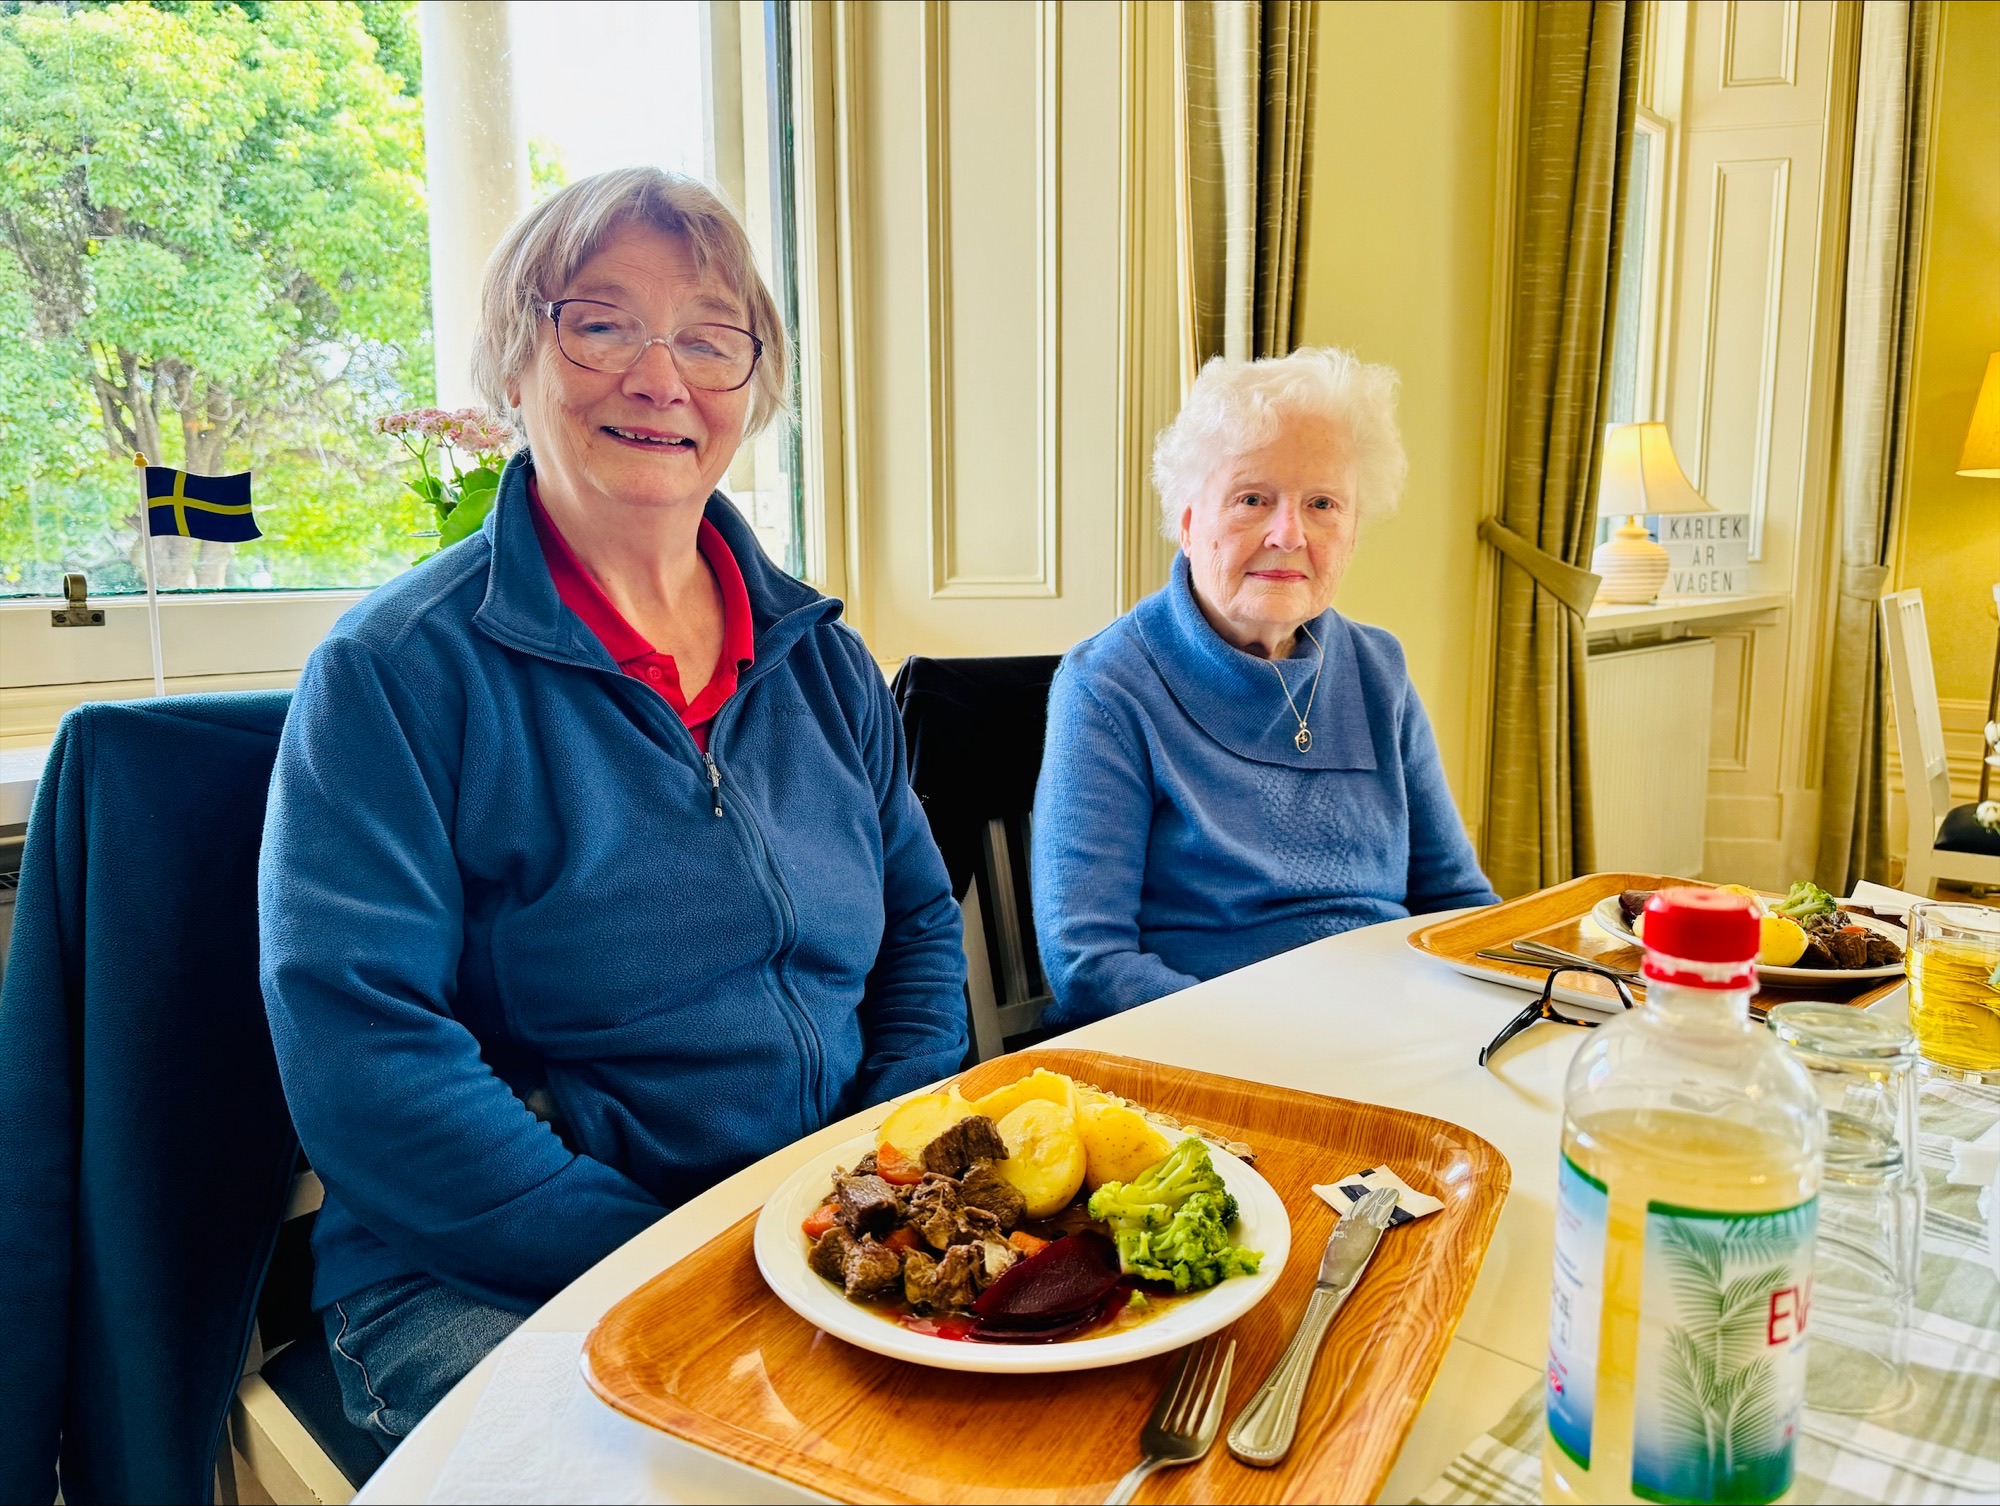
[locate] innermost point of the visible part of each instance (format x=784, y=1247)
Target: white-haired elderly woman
x=591, y=872
x=1233, y=768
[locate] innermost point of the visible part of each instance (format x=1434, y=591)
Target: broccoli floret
x=1193, y=1251
x=1171, y=1223
x=1805, y=900
x=1150, y=1199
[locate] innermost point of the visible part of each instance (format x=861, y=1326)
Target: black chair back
x=974, y=730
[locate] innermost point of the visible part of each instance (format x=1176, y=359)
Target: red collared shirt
x=635, y=656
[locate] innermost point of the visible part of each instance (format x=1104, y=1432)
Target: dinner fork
x=1183, y=1426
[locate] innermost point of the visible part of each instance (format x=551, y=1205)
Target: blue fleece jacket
x=1181, y=834
x=536, y=970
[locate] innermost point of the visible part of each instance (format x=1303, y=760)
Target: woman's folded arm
x=1093, y=818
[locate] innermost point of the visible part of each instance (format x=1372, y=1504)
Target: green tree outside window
x=213, y=233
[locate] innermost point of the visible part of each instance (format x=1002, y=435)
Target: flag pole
x=146, y=555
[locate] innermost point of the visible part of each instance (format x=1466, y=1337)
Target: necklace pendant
x=1304, y=739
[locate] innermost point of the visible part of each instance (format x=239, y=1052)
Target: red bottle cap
x=1702, y=938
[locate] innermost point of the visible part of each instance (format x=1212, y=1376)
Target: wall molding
x=1788, y=46
x=945, y=578
x=1767, y=356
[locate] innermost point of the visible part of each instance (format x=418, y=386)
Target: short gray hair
x=543, y=249
x=1238, y=405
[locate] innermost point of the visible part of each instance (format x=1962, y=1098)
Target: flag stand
x=146, y=555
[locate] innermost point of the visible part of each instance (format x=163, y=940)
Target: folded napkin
x=1411, y=1204
x=538, y=1434
x=1884, y=900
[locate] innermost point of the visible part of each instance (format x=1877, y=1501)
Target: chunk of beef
x=994, y=1257
x=871, y=1269
x=867, y=1204
x=934, y=1209
x=1632, y=903
x=829, y=1255
x=1882, y=952
x=971, y=1139
x=919, y=1279
x=957, y=1277
x=867, y=1166
x=975, y=1225
x=1848, y=948
x=984, y=1187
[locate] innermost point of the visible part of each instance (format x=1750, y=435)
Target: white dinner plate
x=1262, y=1224
x=1611, y=920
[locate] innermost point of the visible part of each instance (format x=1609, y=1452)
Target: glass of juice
x=1953, y=961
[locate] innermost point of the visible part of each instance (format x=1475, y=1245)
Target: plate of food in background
x=1047, y=1226
x=1806, y=936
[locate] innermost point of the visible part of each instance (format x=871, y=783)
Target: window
x=214, y=230
x=1636, y=321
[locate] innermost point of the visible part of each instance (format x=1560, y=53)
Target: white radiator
x=1649, y=717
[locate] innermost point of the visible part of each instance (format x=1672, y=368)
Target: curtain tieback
x=1575, y=588
x=1863, y=582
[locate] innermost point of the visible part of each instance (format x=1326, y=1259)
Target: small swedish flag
x=200, y=507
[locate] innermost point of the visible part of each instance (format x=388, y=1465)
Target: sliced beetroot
x=984, y=1332
x=1069, y=1277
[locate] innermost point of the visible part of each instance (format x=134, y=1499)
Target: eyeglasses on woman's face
x=603, y=337
x=1547, y=1007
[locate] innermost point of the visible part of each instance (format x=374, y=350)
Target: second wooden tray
x=1560, y=916
x=705, y=1352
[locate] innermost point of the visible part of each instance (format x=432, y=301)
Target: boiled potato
x=1045, y=1160
x=918, y=1121
x=1044, y=1085
x=1781, y=941
x=1118, y=1143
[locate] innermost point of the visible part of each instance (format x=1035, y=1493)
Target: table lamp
x=1640, y=476
x=1981, y=457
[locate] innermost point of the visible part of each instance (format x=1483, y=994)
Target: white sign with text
x=1708, y=553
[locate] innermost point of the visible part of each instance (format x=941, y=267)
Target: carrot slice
x=1027, y=1243
x=819, y=1221
x=891, y=1165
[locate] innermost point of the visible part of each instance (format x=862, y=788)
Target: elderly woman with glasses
x=1233, y=768
x=591, y=872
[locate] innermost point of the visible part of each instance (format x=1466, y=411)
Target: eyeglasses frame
x=553, y=309
x=1544, y=1007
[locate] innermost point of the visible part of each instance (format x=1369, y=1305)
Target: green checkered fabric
x=1943, y=1444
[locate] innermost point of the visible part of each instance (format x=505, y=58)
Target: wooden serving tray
x=705, y=1352
x=1560, y=917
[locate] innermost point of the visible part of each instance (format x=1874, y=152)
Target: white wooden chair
x=1946, y=841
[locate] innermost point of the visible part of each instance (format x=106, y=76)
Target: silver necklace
x=1304, y=740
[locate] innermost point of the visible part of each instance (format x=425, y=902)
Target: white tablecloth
x=1355, y=1016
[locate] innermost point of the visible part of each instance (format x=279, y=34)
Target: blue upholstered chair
x=150, y=1163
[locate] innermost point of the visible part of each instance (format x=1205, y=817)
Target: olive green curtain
x=1245, y=148
x=1580, y=96
x=1884, y=217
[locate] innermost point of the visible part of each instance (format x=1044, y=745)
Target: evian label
x=1722, y=1367
x=1575, y=1306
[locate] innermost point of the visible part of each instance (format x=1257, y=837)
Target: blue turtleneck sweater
x=1179, y=831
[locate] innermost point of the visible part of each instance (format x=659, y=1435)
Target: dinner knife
x=1263, y=1431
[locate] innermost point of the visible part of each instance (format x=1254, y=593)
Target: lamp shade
x=1981, y=456
x=1641, y=475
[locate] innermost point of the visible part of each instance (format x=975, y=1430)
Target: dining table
x=1359, y=1016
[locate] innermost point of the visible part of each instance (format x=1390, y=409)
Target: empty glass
x=1871, y=1203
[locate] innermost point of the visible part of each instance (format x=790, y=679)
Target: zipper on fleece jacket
x=788, y=916
x=714, y=780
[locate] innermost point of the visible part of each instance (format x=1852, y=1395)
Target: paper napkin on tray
x=1410, y=1203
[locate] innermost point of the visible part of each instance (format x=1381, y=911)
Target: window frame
x=239, y=639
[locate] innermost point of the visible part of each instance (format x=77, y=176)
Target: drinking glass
x=1871, y=1204
x=1953, y=961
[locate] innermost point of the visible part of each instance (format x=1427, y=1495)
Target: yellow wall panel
x=1399, y=268
x=1951, y=527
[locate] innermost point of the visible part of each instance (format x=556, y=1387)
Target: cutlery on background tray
x=1263, y=1431
x=1183, y=1426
